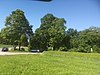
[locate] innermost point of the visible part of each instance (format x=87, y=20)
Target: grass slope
x=51, y=63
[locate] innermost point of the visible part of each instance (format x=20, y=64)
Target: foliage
x=50, y=48
x=86, y=39
x=63, y=49
x=8, y=46
x=16, y=25
x=73, y=50
x=72, y=35
x=51, y=33
x=23, y=40
x=96, y=49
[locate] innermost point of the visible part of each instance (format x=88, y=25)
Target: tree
x=72, y=35
x=51, y=32
x=85, y=40
x=0, y=39
x=91, y=37
x=4, y=36
x=16, y=25
x=23, y=41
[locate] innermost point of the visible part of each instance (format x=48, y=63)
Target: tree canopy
x=16, y=25
x=51, y=35
x=86, y=39
x=51, y=32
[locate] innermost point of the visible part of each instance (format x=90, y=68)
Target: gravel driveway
x=14, y=53
x=0, y=49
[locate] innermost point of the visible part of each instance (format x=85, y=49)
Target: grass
x=51, y=63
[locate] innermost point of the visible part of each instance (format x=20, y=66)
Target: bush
x=96, y=49
x=63, y=49
x=22, y=49
x=49, y=48
x=81, y=49
x=73, y=50
x=85, y=49
x=29, y=47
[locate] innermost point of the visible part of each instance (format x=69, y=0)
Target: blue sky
x=79, y=14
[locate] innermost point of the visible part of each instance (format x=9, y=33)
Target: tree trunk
x=19, y=47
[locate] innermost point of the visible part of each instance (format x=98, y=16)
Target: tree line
x=51, y=35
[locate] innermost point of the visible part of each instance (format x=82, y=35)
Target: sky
x=79, y=14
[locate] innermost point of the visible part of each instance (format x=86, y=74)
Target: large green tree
x=51, y=32
x=16, y=25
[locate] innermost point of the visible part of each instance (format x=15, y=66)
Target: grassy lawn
x=51, y=63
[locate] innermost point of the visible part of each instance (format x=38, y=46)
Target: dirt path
x=0, y=49
x=14, y=53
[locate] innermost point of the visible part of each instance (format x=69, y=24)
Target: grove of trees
x=51, y=35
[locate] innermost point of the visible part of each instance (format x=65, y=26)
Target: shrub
x=22, y=49
x=49, y=48
x=73, y=50
x=96, y=49
x=63, y=49
x=82, y=49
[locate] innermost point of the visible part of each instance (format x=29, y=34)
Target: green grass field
x=51, y=63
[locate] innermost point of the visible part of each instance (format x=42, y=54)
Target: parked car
x=36, y=51
x=4, y=49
